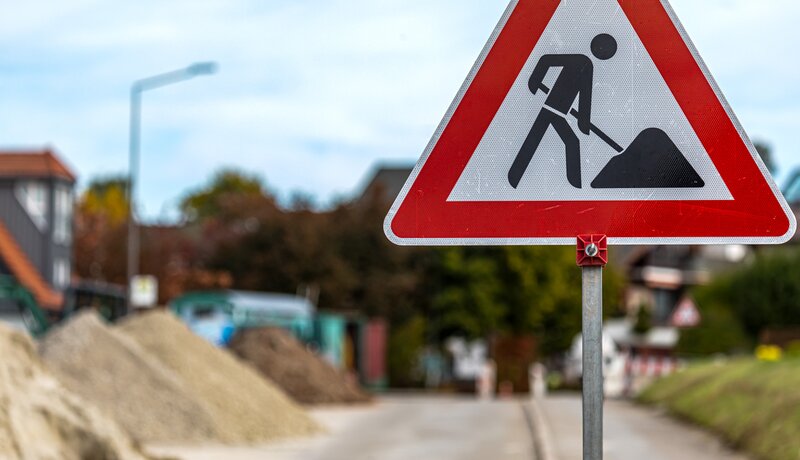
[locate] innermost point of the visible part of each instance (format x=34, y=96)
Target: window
x=62, y=232
x=61, y=273
x=665, y=302
x=32, y=196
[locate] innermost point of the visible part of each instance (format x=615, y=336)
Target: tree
x=644, y=320
x=236, y=234
x=406, y=341
x=107, y=196
x=478, y=292
x=467, y=296
x=738, y=306
x=168, y=252
x=719, y=332
x=100, y=230
x=210, y=200
x=765, y=293
x=342, y=251
x=542, y=288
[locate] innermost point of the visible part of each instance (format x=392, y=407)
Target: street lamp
x=138, y=87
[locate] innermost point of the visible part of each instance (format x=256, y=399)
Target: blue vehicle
x=217, y=315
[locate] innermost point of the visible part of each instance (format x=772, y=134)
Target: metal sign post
x=592, y=256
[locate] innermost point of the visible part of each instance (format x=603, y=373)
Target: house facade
x=36, y=223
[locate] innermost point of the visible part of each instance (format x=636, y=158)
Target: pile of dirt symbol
x=165, y=384
x=301, y=373
x=42, y=420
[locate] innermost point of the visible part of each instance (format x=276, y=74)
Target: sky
x=311, y=94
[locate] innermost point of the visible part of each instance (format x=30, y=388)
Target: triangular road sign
x=686, y=314
x=589, y=117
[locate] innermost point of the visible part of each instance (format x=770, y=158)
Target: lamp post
x=138, y=87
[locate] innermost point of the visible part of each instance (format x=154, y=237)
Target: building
x=36, y=224
x=385, y=183
x=659, y=277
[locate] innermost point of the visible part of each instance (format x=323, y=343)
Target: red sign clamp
x=592, y=251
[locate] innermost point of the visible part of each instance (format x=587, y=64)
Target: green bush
x=737, y=306
x=644, y=321
x=720, y=331
x=792, y=349
x=765, y=294
x=405, y=344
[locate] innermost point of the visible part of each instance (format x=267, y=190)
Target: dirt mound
x=302, y=374
x=113, y=371
x=42, y=420
x=246, y=406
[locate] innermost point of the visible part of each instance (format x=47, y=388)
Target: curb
x=542, y=435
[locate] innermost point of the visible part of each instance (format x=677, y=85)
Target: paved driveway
x=398, y=428
x=631, y=433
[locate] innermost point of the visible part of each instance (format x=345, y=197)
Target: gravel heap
x=245, y=406
x=113, y=371
x=302, y=374
x=42, y=420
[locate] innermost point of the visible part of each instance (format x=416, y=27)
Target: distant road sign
x=686, y=314
x=589, y=117
x=144, y=291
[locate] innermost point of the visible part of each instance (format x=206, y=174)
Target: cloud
x=310, y=93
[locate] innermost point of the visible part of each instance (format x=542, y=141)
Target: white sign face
x=628, y=96
x=144, y=291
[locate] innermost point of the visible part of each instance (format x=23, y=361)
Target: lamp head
x=203, y=68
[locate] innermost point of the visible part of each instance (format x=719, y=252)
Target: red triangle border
x=758, y=214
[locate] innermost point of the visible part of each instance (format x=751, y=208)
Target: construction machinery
x=19, y=304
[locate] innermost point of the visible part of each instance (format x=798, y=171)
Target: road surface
x=631, y=433
x=398, y=428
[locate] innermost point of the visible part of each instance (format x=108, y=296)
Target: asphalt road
x=631, y=433
x=397, y=428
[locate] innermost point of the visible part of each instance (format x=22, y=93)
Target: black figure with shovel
x=651, y=161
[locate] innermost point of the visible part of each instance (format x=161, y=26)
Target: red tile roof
x=25, y=272
x=33, y=163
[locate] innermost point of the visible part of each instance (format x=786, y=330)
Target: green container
x=329, y=332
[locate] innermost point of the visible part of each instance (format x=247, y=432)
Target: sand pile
x=301, y=373
x=41, y=420
x=110, y=369
x=245, y=406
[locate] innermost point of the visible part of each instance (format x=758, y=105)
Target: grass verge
x=754, y=405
